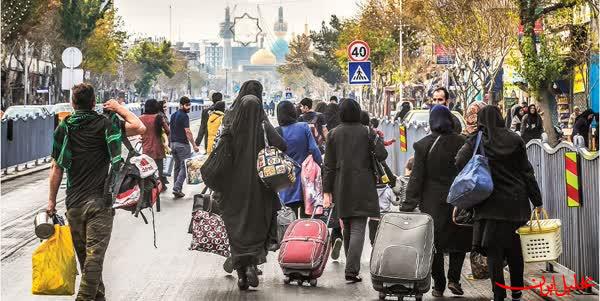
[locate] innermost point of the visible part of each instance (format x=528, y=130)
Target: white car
x=422, y=116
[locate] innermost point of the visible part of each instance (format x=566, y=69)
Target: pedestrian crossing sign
x=359, y=73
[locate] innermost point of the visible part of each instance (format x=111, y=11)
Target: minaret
x=227, y=35
x=280, y=28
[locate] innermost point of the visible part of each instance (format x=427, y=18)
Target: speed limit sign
x=358, y=51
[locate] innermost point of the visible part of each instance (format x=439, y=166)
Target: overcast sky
x=194, y=20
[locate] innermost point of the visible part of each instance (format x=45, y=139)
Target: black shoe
x=252, y=276
x=337, y=246
x=437, y=293
x=178, y=194
x=259, y=272
x=455, y=288
x=228, y=265
x=242, y=280
x=353, y=279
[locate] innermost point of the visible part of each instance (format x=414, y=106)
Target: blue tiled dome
x=280, y=48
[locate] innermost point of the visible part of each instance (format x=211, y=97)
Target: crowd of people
x=343, y=140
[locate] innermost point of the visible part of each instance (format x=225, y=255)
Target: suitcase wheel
x=313, y=282
x=300, y=282
x=382, y=296
x=286, y=280
x=419, y=297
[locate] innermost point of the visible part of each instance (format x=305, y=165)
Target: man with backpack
x=315, y=121
x=85, y=145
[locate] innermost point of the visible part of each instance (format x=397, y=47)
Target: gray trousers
x=354, y=239
x=180, y=152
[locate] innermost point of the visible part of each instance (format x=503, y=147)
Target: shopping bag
x=168, y=165
x=312, y=185
x=192, y=167
x=474, y=183
x=54, y=265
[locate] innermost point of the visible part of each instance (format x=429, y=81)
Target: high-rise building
x=213, y=57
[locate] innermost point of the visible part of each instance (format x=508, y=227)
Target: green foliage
x=79, y=18
x=104, y=48
x=324, y=63
x=154, y=59
x=540, y=67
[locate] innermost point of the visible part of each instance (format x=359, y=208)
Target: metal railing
x=579, y=224
x=29, y=139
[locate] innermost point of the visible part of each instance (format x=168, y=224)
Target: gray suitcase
x=402, y=255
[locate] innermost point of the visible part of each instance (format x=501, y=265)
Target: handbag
x=381, y=177
x=474, y=183
x=276, y=169
x=463, y=217
x=479, y=266
x=208, y=232
x=168, y=165
x=218, y=167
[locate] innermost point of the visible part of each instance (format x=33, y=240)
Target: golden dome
x=263, y=57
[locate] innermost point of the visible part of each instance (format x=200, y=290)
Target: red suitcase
x=304, y=250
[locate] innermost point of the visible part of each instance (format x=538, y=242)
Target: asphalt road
x=135, y=270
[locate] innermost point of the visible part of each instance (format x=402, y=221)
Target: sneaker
x=337, y=246
x=455, y=288
x=178, y=194
x=437, y=293
x=353, y=278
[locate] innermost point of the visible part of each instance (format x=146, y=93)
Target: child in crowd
x=387, y=198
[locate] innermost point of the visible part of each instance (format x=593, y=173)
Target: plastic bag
x=312, y=186
x=54, y=265
x=192, y=167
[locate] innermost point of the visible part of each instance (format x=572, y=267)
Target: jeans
x=181, y=152
x=514, y=257
x=454, y=269
x=354, y=239
x=91, y=228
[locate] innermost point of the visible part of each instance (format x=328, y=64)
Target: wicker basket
x=541, y=238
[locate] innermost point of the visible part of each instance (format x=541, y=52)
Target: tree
x=542, y=61
x=104, y=49
x=154, y=59
x=79, y=19
x=324, y=63
x=19, y=17
x=480, y=34
x=295, y=73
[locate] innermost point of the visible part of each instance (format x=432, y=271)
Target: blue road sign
x=359, y=73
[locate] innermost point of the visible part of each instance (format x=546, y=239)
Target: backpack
x=133, y=184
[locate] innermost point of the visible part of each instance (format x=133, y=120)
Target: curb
x=26, y=172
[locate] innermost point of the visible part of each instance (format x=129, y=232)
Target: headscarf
x=471, y=116
x=533, y=118
x=349, y=111
x=286, y=113
x=440, y=120
x=332, y=116
x=321, y=107
x=250, y=87
x=497, y=139
x=218, y=106
x=245, y=122
x=364, y=118
x=402, y=113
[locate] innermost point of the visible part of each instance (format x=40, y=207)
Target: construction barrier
x=30, y=138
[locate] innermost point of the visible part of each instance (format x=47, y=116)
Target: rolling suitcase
x=402, y=255
x=304, y=250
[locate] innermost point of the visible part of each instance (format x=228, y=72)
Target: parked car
x=23, y=111
x=62, y=110
x=422, y=116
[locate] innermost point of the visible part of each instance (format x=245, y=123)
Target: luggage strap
x=304, y=238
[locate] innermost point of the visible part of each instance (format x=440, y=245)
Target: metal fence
x=27, y=139
x=579, y=224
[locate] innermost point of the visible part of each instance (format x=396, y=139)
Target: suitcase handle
x=330, y=209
